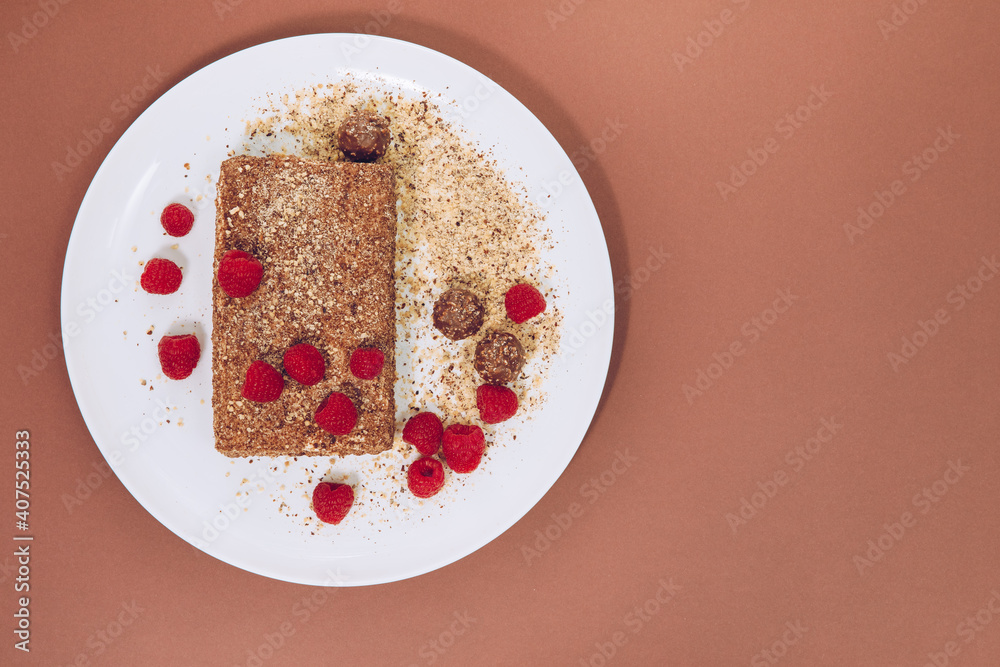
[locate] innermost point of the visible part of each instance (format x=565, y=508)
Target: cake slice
x=326, y=236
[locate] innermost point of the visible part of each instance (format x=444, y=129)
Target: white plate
x=172, y=468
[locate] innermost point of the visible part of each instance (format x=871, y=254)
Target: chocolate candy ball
x=458, y=314
x=499, y=357
x=363, y=137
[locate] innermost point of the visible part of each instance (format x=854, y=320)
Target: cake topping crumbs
x=461, y=224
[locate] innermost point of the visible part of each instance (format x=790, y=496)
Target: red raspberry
x=160, y=276
x=178, y=355
x=177, y=219
x=425, y=477
x=304, y=363
x=239, y=273
x=523, y=302
x=463, y=447
x=332, y=502
x=496, y=403
x=423, y=431
x=337, y=414
x=263, y=384
x=366, y=363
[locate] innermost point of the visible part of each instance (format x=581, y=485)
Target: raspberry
x=160, y=276
x=423, y=431
x=263, y=384
x=178, y=355
x=304, y=363
x=332, y=502
x=337, y=414
x=177, y=219
x=425, y=477
x=366, y=363
x=496, y=404
x=463, y=447
x=523, y=302
x=239, y=273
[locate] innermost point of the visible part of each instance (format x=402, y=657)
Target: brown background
x=655, y=187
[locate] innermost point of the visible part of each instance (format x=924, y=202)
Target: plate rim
x=602, y=350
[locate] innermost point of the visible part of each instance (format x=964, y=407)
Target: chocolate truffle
x=458, y=314
x=363, y=136
x=499, y=357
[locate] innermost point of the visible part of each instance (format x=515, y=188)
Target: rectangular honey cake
x=325, y=234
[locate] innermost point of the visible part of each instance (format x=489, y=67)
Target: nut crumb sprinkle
x=461, y=223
